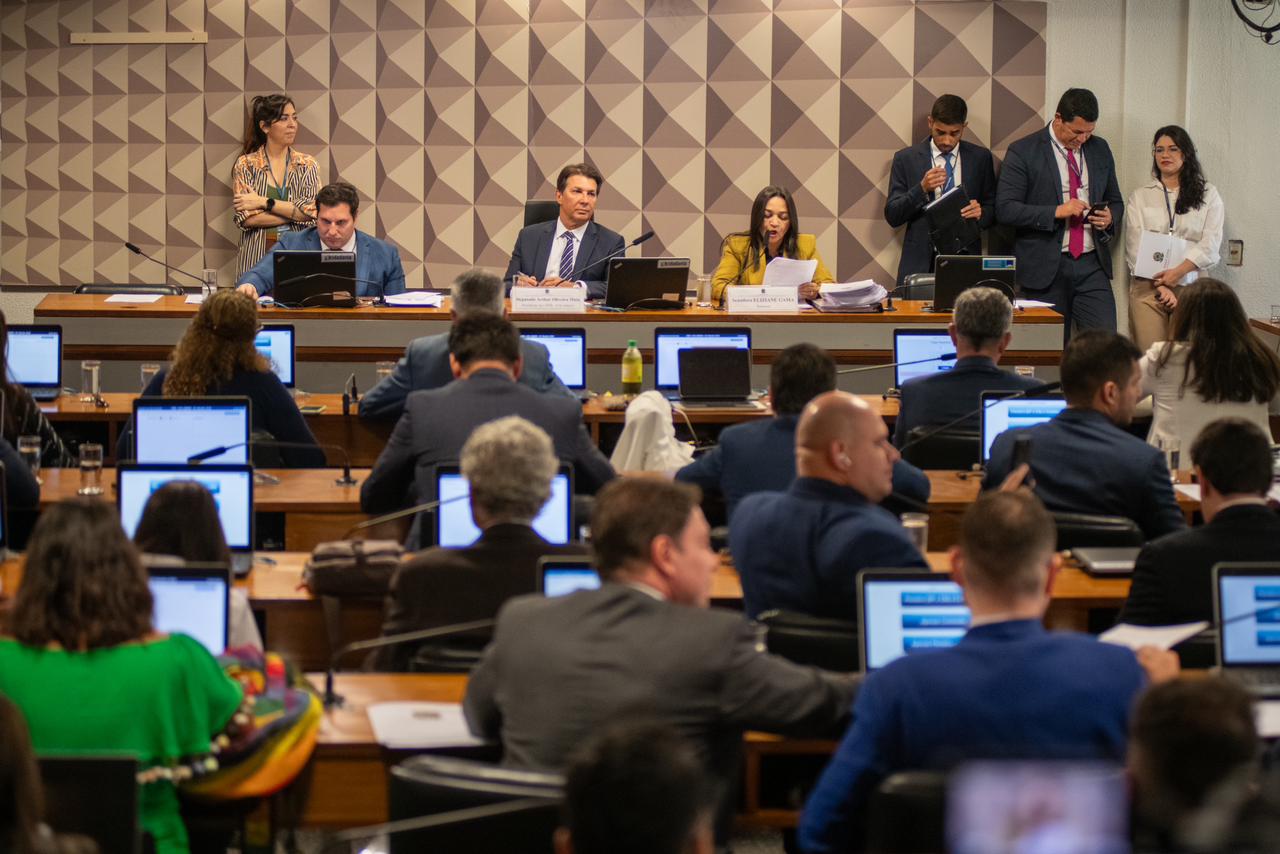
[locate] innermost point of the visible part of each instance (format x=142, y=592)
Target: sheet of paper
x=1266, y=716
x=1158, y=252
x=1163, y=637
x=407, y=725
x=416, y=298
x=139, y=298
x=1192, y=491
x=194, y=299
x=788, y=272
x=1031, y=303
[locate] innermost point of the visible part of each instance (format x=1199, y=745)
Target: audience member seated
x=216, y=357
x=180, y=523
x=646, y=643
x=484, y=354
x=760, y=455
x=801, y=550
x=1008, y=690
x=1083, y=461
x=637, y=789
x=1214, y=367
x=509, y=465
x=425, y=363
x=981, y=329
x=90, y=674
x=23, y=417
x=1173, y=576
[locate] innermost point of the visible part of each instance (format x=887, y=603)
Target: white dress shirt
x=557, y=247
x=1064, y=174
x=1181, y=414
x=1201, y=227
x=349, y=246
x=940, y=163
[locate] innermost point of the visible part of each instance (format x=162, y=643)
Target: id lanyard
x=1076, y=169
x=1168, y=208
x=280, y=188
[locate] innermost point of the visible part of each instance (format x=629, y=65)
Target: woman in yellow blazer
x=774, y=231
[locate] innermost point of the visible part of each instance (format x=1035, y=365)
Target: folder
x=950, y=232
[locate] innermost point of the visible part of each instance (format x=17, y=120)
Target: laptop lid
x=568, y=351
x=174, y=429
x=455, y=528
x=276, y=342
x=668, y=341
x=230, y=485
x=558, y=576
x=999, y=413
x=302, y=273
x=715, y=373
x=1247, y=606
x=911, y=345
x=905, y=612
x=646, y=282
x=955, y=274
x=193, y=598
x=35, y=356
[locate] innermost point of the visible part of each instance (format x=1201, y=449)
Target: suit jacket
x=801, y=550
x=436, y=424
x=1173, y=577
x=377, y=263
x=735, y=267
x=425, y=365
x=937, y=399
x=533, y=251
x=906, y=201
x=1082, y=463
x=441, y=586
x=760, y=456
x=1007, y=691
x=1030, y=190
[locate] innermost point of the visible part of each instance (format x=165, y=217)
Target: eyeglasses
x=1173, y=149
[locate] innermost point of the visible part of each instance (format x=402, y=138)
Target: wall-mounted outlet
x=1235, y=253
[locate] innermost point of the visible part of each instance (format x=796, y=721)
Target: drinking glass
x=1275, y=314
x=1172, y=454
x=383, y=370
x=29, y=450
x=917, y=528
x=90, y=370
x=1025, y=370
x=148, y=370
x=90, y=469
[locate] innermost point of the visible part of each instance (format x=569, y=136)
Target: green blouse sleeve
x=212, y=697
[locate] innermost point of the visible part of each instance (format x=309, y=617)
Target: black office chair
x=907, y=814
x=540, y=210
x=915, y=286
x=947, y=449
x=819, y=641
x=93, y=796
x=431, y=785
x=162, y=290
x=1086, y=529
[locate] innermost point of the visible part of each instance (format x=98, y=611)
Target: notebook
x=669, y=341
x=905, y=612
x=567, y=349
x=558, y=576
x=275, y=341
x=35, y=359
x=455, y=528
x=1001, y=413
x=193, y=598
x=1247, y=610
x=911, y=345
x=174, y=429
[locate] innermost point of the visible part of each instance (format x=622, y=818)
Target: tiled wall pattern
x=448, y=114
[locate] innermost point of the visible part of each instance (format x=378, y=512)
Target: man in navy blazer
x=981, y=329
x=926, y=170
x=378, y=269
x=569, y=250
x=1008, y=690
x=1083, y=460
x=1049, y=182
x=425, y=363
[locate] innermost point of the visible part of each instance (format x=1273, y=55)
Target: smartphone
x=1021, y=455
x=1095, y=210
x=311, y=409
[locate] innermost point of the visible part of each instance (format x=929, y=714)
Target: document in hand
x=850, y=296
x=788, y=272
x=1157, y=253
x=951, y=233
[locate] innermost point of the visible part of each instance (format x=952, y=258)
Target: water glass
x=1275, y=314
x=210, y=279
x=90, y=370
x=1172, y=454
x=90, y=469
x=148, y=371
x=704, y=290
x=917, y=527
x=383, y=370
x=29, y=450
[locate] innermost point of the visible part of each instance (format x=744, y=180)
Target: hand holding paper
x=789, y=273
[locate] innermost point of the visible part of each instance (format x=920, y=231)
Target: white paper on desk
x=418, y=298
x=852, y=294
x=141, y=298
x=1266, y=717
x=1031, y=303
x=1192, y=491
x=789, y=273
x=1162, y=637
x=407, y=725
x=194, y=299
x=1157, y=253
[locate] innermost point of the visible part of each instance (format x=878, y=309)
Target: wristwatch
x=271, y=203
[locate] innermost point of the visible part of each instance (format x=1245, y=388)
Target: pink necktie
x=1075, y=240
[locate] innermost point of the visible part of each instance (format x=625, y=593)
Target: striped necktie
x=566, y=257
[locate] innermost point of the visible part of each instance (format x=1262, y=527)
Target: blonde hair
x=218, y=342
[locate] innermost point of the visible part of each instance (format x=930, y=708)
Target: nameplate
x=761, y=300
x=548, y=300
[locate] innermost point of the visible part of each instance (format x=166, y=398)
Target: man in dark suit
x=1049, y=183
x=1008, y=690
x=981, y=328
x=425, y=363
x=1173, y=577
x=484, y=352
x=801, y=550
x=1083, y=460
x=924, y=171
x=644, y=644
x=570, y=250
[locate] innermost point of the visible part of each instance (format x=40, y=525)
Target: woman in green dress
x=90, y=673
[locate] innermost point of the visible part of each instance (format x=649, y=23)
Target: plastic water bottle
x=632, y=369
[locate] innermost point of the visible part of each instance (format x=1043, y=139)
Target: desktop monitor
x=1001, y=412
x=558, y=576
x=193, y=598
x=905, y=612
x=35, y=357
x=454, y=527
x=911, y=345
x=668, y=341
x=230, y=485
x=568, y=351
x=275, y=341
x=174, y=429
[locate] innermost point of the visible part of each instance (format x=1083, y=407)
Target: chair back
x=540, y=210
x=162, y=290
x=907, y=814
x=920, y=285
x=819, y=641
x=1086, y=529
x=93, y=796
x=946, y=449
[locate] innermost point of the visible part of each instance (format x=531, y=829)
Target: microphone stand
x=945, y=357
x=345, y=480
x=888, y=302
x=135, y=250
x=400, y=514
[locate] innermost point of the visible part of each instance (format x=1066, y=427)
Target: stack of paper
x=851, y=294
x=416, y=298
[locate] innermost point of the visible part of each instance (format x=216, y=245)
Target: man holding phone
x=1058, y=190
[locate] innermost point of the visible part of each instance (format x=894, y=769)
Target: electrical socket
x=1235, y=253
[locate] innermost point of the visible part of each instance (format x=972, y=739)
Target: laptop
x=1000, y=414
x=908, y=611
x=174, y=429
x=230, y=485
x=716, y=377
x=275, y=341
x=567, y=348
x=94, y=796
x=35, y=359
x=455, y=528
x=1246, y=605
x=670, y=341
x=306, y=277
x=646, y=283
x=911, y=345
x=193, y=598
x=558, y=576
x=955, y=274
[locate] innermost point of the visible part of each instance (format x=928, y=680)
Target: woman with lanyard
x=275, y=186
x=1178, y=202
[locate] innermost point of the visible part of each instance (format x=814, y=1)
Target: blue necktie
x=951, y=172
x=566, y=257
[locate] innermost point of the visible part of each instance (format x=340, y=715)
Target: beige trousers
x=1149, y=321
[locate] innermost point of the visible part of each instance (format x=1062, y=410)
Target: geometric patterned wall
x=447, y=114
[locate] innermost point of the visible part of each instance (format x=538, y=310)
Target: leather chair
x=432, y=785
x=1086, y=529
x=819, y=641
x=916, y=286
x=540, y=210
x=907, y=814
x=162, y=290
x=947, y=449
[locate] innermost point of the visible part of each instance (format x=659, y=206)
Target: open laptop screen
x=35, y=356
x=910, y=345
x=1000, y=414
x=568, y=351
x=192, y=599
x=907, y=612
x=276, y=343
x=230, y=485
x=558, y=576
x=1250, y=624
x=669, y=341
x=454, y=527
x=174, y=429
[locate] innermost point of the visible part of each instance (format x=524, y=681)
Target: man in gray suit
x=645, y=644
x=425, y=363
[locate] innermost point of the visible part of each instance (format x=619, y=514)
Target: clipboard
x=950, y=232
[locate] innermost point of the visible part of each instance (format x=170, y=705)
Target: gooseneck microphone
x=135, y=250
x=400, y=514
x=944, y=357
x=345, y=480
x=1026, y=392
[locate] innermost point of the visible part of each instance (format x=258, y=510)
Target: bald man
x=801, y=550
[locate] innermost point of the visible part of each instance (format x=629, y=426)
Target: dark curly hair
x=218, y=342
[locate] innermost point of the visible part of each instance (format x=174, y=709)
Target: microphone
x=440, y=819
x=332, y=699
x=345, y=480
x=578, y=272
x=136, y=251
x=945, y=357
x=1034, y=390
